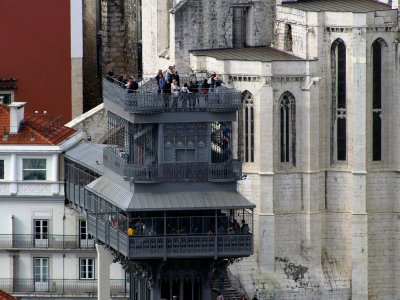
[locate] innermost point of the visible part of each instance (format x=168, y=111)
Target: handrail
x=236, y=284
x=44, y=241
x=148, y=99
x=230, y=170
x=60, y=286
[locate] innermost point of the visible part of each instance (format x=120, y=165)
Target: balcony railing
x=148, y=100
x=172, y=245
x=230, y=170
x=44, y=241
x=61, y=286
x=225, y=245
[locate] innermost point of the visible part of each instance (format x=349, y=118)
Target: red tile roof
x=35, y=130
x=5, y=296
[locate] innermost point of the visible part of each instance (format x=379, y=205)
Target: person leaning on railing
x=131, y=85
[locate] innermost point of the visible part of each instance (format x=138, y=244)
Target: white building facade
x=44, y=246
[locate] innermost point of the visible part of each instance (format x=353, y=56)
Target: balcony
x=153, y=245
x=147, y=99
x=48, y=241
x=73, y=287
x=230, y=170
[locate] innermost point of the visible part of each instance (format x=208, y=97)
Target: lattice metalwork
x=186, y=142
x=118, y=134
x=221, y=135
x=143, y=140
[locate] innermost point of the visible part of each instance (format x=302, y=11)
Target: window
x=41, y=273
x=288, y=42
x=6, y=98
x=339, y=111
x=240, y=26
x=377, y=99
x=246, y=127
x=41, y=229
x=86, y=268
x=34, y=169
x=1, y=169
x=287, y=110
x=83, y=230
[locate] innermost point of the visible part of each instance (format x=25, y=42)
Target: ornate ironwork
x=48, y=241
x=172, y=172
x=60, y=286
x=148, y=100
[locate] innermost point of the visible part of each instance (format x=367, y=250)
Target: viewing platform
x=147, y=99
x=151, y=244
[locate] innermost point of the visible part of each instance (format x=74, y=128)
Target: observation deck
x=152, y=245
x=147, y=99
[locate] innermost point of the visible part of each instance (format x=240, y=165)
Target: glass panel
x=377, y=74
x=34, y=169
x=282, y=135
x=41, y=229
x=341, y=75
x=1, y=169
x=377, y=136
x=341, y=138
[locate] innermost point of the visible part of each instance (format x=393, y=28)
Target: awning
x=128, y=201
x=89, y=155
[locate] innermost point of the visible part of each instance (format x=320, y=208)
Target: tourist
x=176, y=77
x=131, y=231
x=132, y=85
x=110, y=75
x=211, y=82
x=193, y=87
x=161, y=82
x=121, y=78
x=169, y=74
x=220, y=296
x=218, y=83
x=205, y=86
x=175, y=93
x=160, y=77
x=166, y=92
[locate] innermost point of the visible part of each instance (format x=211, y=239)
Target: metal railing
x=236, y=284
x=61, y=286
x=44, y=241
x=230, y=170
x=225, y=245
x=171, y=246
x=147, y=99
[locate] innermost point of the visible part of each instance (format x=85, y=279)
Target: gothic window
x=287, y=115
x=377, y=99
x=288, y=42
x=246, y=127
x=339, y=110
x=240, y=26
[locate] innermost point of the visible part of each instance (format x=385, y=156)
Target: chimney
x=16, y=116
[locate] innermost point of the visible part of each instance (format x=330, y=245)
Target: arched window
x=377, y=98
x=246, y=127
x=287, y=112
x=288, y=42
x=339, y=110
